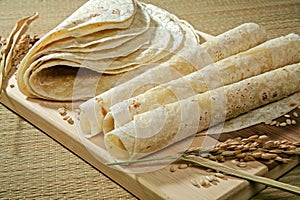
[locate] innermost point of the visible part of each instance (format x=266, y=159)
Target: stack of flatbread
x=149, y=81
x=101, y=45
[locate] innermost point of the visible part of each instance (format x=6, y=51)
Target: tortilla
x=186, y=61
x=151, y=131
x=268, y=56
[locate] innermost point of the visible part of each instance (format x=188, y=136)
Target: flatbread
x=263, y=114
x=235, y=40
x=268, y=56
x=101, y=40
x=186, y=61
x=93, y=16
x=156, y=129
x=75, y=83
x=161, y=36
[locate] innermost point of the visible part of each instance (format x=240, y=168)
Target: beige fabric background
x=33, y=166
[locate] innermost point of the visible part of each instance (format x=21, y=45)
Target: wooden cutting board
x=161, y=183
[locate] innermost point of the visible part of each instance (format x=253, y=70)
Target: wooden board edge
x=119, y=177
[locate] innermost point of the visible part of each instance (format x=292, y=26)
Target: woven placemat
x=33, y=166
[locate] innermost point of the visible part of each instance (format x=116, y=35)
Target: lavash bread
x=235, y=40
x=87, y=54
x=264, y=114
x=86, y=20
x=153, y=130
x=268, y=56
x=184, y=62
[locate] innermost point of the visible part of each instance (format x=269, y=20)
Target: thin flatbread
x=186, y=61
x=84, y=21
x=156, y=129
x=164, y=37
x=268, y=56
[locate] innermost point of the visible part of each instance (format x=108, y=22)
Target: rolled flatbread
x=153, y=130
x=89, y=53
x=268, y=56
x=186, y=61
